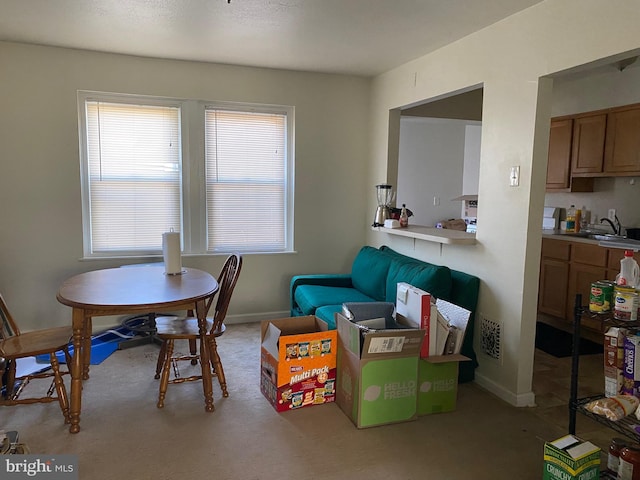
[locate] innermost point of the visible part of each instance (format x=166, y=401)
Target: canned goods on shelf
x=625, y=303
x=601, y=296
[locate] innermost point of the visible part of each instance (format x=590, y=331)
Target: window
x=142, y=174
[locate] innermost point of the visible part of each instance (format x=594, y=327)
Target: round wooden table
x=122, y=291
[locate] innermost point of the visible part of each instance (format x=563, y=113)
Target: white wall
x=430, y=165
x=41, y=243
x=509, y=59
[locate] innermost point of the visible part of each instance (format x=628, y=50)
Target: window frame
x=194, y=229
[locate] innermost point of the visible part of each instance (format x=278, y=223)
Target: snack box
x=614, y=360
x=631, y=373
x=570, y=458
x=298, y=362
x=377, y=373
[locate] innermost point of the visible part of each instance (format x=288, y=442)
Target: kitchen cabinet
x=559, y=176
x=570, y=267
x=622, y=154
x=587, y=148
x=554, y=277
x=559, y=163
x=584, y=146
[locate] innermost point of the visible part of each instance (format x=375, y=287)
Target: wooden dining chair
x=169, y=329
x=15, y=345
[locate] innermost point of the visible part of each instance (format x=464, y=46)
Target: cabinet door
x=559, y=154
x=552, y=294
x=622, y=153
x=587, y=151
x=581, y=277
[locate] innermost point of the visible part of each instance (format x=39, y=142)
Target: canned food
x=625, y=303
x=601, y=297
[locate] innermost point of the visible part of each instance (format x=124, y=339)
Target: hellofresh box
x=377, y=373
x=298, y=362
x=438, y=374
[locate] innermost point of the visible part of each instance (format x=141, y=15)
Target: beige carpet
x=123, y=435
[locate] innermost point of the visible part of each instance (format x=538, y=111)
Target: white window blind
x=246, y=180
x=133, y=176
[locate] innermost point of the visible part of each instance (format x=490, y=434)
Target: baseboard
x=256, y=317
x=100, y=324
x=523, y=400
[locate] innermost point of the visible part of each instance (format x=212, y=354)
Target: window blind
x=246, y=181
x=134, y=175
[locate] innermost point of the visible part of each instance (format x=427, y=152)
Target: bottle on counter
x=613, y=457
x=629, y=467
x=404, y=217
x=585, y=218
x=571, y=219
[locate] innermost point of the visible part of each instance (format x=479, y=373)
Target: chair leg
x=193, y=350
x=166, y=370
x=60, y=388
x=217, y=365
x=161, y=357
x=11, y=380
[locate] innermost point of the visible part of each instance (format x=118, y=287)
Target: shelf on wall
x=432, y=234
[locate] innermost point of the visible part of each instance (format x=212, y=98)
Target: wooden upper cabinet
x=559, y=164
x=622, y=154
x=587, y=151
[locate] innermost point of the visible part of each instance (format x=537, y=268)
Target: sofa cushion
x=310, y=297
x=434, y=279
x=369, y=273
x=327, y=313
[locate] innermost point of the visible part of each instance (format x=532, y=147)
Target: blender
x=385, y=195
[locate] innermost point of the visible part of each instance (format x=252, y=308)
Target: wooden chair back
x=226, y=282
x=8, y=327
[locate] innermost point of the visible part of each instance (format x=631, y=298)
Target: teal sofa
x=374, y=276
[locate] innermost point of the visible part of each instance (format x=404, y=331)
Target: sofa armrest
x=328, y=279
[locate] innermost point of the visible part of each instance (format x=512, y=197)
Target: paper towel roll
x=171, y=252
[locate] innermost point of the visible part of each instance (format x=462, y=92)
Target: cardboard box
x=298, y=362
x=438, y=383
x=377, y=373
x=570, y=458
x=614, y=360
x=631, y=372
x=415, y=307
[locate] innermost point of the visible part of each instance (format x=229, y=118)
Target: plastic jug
x=629, y=270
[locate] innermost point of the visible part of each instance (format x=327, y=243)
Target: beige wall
x=508, y=59
x=41, y=240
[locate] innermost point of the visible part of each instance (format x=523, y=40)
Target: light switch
x=514, y=176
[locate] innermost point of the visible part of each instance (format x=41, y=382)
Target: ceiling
x=360, y=37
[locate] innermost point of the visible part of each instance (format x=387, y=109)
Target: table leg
x=76, y=370
x=201, y=313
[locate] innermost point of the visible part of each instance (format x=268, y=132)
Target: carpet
x=559, y=343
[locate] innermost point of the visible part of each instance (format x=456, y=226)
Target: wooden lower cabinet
x=554, y=280
x=568, y=268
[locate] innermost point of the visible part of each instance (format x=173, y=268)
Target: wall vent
x=491, y=338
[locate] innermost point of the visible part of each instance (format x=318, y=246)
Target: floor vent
x=491, y=334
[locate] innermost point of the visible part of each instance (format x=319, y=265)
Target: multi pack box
x=438, y=374
x=570, y=458
x=377, y=373
x=614, y=360
x=298, y=362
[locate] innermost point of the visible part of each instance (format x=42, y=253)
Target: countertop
x=623, y=244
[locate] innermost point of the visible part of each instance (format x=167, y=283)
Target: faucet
x=617, y=227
